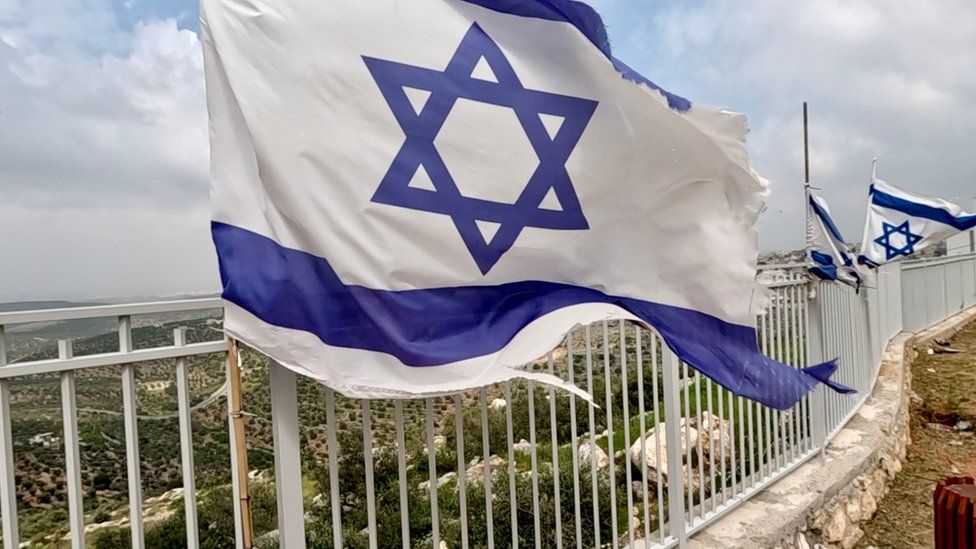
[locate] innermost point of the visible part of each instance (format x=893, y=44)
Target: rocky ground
x=943, y=415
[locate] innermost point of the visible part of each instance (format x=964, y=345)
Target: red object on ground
x=955, y=524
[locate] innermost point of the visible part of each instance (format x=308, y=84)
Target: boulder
x=586, y=450
x=717, y=430
x=475, y=473
x=649, y=460
x=424, y=486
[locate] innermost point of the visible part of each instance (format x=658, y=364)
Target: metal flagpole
x=806, y=148
x=237, y=421
x=817, y=399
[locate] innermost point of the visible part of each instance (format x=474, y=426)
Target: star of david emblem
x=892, y=251
x=421, y=126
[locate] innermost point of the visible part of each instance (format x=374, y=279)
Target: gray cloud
x=103, y=170
x=894, y=79
x=103, y=136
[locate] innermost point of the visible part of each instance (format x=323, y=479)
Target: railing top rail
x=929, y=262
x=781, y=283
x=54, y=365
x=103, y=311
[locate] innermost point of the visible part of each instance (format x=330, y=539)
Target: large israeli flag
x=828, y=256
x=900, y=223
x=417, y=197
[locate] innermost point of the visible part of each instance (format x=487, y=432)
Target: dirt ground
x=943, y=416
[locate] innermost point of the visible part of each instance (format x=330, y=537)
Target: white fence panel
x=666, y=454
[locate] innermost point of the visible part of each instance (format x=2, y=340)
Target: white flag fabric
x=828, y=256
x=419, y=197
x=900, y=223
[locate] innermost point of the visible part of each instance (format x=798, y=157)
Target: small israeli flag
x=900, y=223
x=419, y=197
x=828, y=256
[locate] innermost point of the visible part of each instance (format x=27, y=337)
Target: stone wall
x=823, y=502
x=837, y=524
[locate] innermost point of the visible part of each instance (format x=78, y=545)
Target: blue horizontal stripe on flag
x=589, y=22
x=915, y=209
x=825, y=217
x=427, y=327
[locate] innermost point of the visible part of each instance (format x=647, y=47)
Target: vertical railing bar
x=288, y=457
x=850, y=348
x=728, y=466
x=686, y=381
x=800, y=342
x=712, y=422
x=672, y=396
x=624, y=386
x=72, y=452
x=743, y=436
x=333, y=449
x=770, y=458
x=486, y=455
x=534, y=457
x=788, y=336
x=641, y=409
x=761, y=411
x=721, y=440
x=402, y=475
x=591, y=407
x=131, y=422
x=461, y=471
x=784, y=415
x=805, y=330
x=796, y=341
x=854, y=337
x=626, y=425
x=608, y=384
x=8, y=480
x=698, y=445
x=837, y=342
x=435, y=520
x=186, y=444
x=659, y=473
x=367, y=419
x=832, y=347
x=803, y=341
x=809, y=333
x=513, y=504
x=557, y=503
x=798, y=362
x=777, y=334
x=735, y=432
x=828, y=344
x=574, y=442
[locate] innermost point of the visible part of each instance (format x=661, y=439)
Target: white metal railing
x=455, y=469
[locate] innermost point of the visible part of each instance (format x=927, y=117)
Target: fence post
x=672, y=430
x=287, y=457
x=815, y=348
x=8, y=485
x=230, y=364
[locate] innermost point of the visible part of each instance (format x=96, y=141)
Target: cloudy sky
x=103, y=137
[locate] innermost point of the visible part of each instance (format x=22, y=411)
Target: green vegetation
x=40, y=468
